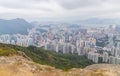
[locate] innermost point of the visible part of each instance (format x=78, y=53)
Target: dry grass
x=19, y=66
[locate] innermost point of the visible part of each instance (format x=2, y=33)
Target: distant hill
x=97, y=21
x=101, y=21
x=14, y=26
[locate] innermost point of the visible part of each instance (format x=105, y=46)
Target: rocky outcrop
x=21, y=66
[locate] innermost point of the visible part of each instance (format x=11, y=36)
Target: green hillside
x=39, y=55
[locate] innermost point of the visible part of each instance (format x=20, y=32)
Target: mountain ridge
x=14, y=26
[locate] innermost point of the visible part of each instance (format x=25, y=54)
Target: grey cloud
x=23, y=4
x=73, y=4
x=59, y=8
x=67, y=4
x=14, y=4
x=20, y=3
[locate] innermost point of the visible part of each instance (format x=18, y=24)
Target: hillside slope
x=19, y=66
x=18, y=61
x=39, y=55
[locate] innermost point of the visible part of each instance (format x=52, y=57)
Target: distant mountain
x=14, y=26
x=99, y=21
x=102, y=21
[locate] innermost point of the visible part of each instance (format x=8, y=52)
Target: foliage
x=6, y=51
x=58, y=60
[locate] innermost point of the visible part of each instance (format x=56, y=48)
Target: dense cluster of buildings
x=100, y=44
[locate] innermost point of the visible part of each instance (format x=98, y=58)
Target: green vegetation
x=6, y=51
x=39, y=55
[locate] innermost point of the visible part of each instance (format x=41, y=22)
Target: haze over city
x=59, y=37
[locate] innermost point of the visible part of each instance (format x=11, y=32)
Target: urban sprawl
x=99, y=44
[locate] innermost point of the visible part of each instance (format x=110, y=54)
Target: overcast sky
x=59, y=9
